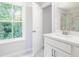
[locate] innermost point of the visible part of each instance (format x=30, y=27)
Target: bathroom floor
x=29, y=54
x=40, y=53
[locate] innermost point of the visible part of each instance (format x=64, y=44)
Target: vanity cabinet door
x=47, y=50
x=51, y=51
x=59, y=53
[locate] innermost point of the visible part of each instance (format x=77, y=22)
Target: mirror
x=70, y=19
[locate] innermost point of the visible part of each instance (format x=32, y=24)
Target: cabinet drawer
x=63, y=46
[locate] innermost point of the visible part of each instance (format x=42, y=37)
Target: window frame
x=12, y=21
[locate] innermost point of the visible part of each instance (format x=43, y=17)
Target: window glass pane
x=5, y=11
x=5, y=30
x=12, y=13
x=17, y=13
x=17, y=29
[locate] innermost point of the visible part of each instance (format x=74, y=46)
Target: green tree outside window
x=10, y=21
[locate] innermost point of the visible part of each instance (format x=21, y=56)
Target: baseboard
x=17, y=54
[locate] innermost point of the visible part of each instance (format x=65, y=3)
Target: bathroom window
x=70, y=19
x=10, y=21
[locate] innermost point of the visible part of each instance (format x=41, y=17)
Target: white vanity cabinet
x=48, y=50
x=57, y=47
x=51, y=51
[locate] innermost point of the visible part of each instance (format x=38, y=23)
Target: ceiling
x=64, y=5
x=67, y=5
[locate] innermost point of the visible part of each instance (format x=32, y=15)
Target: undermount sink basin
x=62, y=35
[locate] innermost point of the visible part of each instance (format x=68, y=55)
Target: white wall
x=28, y=25
x=20, y=46
x=47, y=19
x=55, y=18
x=13, y=48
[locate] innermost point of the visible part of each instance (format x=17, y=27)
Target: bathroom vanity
x=59, y=45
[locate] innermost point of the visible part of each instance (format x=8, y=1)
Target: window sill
x=11, y=40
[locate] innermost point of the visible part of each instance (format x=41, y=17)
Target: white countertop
x=70, y=39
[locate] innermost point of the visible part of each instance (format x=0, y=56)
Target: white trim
x=11, y=40
x=45, y=5
x=16, y=54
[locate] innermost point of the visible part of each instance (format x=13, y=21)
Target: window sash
x=12, y=21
